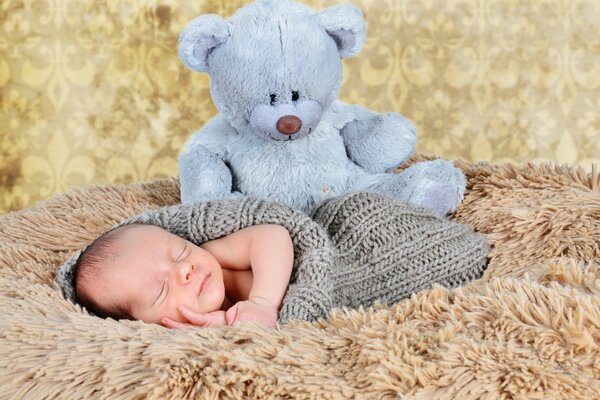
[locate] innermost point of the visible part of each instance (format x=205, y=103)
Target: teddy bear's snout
x=289, y=124
x=285, y=122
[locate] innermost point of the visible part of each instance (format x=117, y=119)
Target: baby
x=146, y=273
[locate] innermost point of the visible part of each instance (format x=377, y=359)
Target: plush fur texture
x=529, y=328
x=274, y=59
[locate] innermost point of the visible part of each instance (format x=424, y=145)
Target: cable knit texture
x=386, y=250
x=350, y=252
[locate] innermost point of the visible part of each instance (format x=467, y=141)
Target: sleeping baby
x=228, y=261
x=147, y=273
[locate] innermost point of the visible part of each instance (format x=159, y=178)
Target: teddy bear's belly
x=299, y=183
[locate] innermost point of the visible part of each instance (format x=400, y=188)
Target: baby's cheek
x=172, y=312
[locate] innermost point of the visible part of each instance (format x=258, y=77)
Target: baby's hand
x=255, y=309
x=214, y=318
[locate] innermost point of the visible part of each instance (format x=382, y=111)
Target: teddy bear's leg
x=436, y=185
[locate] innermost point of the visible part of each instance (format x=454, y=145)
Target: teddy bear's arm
x=203, y=171
x=378, y=142
x=203, y=176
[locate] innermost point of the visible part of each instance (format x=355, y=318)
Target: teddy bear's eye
x=295, y=96
x=273, y=98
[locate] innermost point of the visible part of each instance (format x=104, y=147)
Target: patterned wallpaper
x=93, y=92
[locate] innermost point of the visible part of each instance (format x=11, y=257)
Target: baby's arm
x=267, y=250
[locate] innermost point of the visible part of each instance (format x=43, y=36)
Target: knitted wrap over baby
x=387, y=250
x=350, y=251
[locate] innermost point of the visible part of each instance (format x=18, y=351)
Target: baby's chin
x=211, y=299
x=212, y=296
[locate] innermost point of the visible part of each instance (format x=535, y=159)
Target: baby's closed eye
x=164, y=289
x=181, y=255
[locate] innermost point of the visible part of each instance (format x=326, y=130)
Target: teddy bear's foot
x=436, y=185
x=442, y=199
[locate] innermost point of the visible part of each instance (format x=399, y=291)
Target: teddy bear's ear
x=346, y=25
x=199, y=38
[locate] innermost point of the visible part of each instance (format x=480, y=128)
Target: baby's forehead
x=140, y=239
x=141, y=231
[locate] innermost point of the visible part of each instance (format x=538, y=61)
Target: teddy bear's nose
x=289, y=124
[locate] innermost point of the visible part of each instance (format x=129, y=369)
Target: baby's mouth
x=203, y=284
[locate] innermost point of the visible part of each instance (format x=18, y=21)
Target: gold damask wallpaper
x=93, y=91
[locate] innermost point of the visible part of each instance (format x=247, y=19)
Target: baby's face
x=155, y=271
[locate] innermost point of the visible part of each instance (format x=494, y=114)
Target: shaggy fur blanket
x=529, y=328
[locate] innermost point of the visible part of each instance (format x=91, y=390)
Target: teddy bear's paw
x=380, y=143
x=393, y=141
x=442, y=199
x=436, y=185
x=203, y=176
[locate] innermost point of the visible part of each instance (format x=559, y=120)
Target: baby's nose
x=185, y=272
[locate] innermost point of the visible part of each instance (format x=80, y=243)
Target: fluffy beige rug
x=530, y=328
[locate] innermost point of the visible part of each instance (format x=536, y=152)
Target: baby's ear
x=199, y=38
x=346, y=25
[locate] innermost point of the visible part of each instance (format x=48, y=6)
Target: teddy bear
x=281, y=134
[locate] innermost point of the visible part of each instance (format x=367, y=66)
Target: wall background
x=93, y=91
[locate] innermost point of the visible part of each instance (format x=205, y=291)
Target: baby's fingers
x=171, y=323
x=231, y=314
x=198, y=319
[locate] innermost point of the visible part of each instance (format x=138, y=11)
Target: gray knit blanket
x=350, y=251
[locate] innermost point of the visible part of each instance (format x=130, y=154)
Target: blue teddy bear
x=281, y=134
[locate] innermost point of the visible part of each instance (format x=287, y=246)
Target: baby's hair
x=90, y=265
